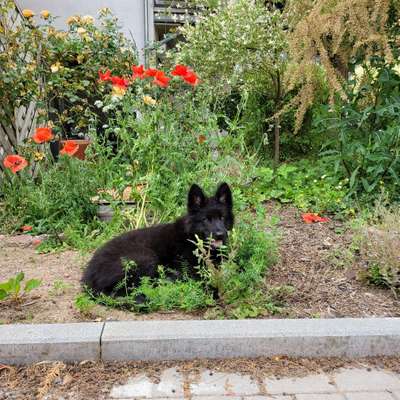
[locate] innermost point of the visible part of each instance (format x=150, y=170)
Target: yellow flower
x=27, y=13
x=31, y=67
x=104, y=11
x=45, y=14
x=38, y=156
x=118, y=91
x=81, y=30
x=80, y=58
x=87, y=19
x=149, y=100
x=73, y=19
x=55, y=67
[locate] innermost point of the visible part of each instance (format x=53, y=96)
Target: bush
x=364, y=144
x=58, y=69
x=379, y=243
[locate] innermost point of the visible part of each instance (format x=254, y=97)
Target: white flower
x=98, y=103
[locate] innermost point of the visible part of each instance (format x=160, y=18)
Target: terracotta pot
x=82, y=143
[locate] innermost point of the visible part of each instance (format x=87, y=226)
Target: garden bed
x=315, y=259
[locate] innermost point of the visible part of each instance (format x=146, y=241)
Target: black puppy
x=170, y=245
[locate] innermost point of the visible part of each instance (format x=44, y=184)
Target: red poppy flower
x=42, y=135
x=70, y=147
x=26, y=228
x=180, y=70
x=310, y=218
x=191, y=78
x=119, y=81
x=15, y=163
x=161, y=79
x=138, y=72
x=150, y=72
x=106, y=76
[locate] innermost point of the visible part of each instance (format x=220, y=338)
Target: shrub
x=363, y=139
x=58, y=69
x=379, y=243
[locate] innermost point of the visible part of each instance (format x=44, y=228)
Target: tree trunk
x=277, y=138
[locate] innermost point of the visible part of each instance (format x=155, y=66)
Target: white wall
x=130, y=13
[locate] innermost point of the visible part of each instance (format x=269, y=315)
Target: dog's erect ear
x=196, y=198
x=224, y=194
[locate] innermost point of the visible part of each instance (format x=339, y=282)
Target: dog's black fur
x=170, y=245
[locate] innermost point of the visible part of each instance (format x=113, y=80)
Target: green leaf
x=3, y=294
x=32, y=284
x=20, y=277
x=353, y=177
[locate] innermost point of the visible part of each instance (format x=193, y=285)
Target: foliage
x=58, y=69
x=11, y=289
x=328, y=33
x=363, y=138
x=379, y=244
x=311, y=186
x=245, y=61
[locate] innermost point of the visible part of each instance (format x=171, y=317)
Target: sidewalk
x=345, y=384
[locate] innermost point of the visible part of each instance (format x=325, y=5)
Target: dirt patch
x=90, y=380
x=315, y=259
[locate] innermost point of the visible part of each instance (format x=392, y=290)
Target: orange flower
x=150, y=72
x=106, y=76
x=15, y=163
x=27, y=13
x=310, y=218
x=138, y=72
x=42, y=135
x=119, y=82
x=70, y=148
x=26, y=228
x=161, y=79
x=191, y=78
x=180, y=70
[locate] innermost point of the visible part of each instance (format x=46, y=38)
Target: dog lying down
x=170, y=245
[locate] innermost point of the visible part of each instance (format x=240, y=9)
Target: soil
x=315, y=260
x=93, y=380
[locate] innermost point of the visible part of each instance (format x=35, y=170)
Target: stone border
x=185, y=340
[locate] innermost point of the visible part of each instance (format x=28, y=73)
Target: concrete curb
x=185, y=340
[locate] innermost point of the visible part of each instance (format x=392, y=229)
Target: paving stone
x=396, y=394
x=356, y=380
x=170, y=386
x=217, y=383
x=369, y=396
x=309, y=384
x=272, y=397
x=217, y=398
x=139, y=386
x=328, y=396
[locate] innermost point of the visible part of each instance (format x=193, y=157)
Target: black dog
x=170, y=245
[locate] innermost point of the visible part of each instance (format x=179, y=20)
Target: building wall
x=130, y=13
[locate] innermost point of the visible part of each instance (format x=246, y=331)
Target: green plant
x=12, y=289
x=58, y=69
x=379, y=243
x=364, y=141
x=309, y=185
x=59, y=288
